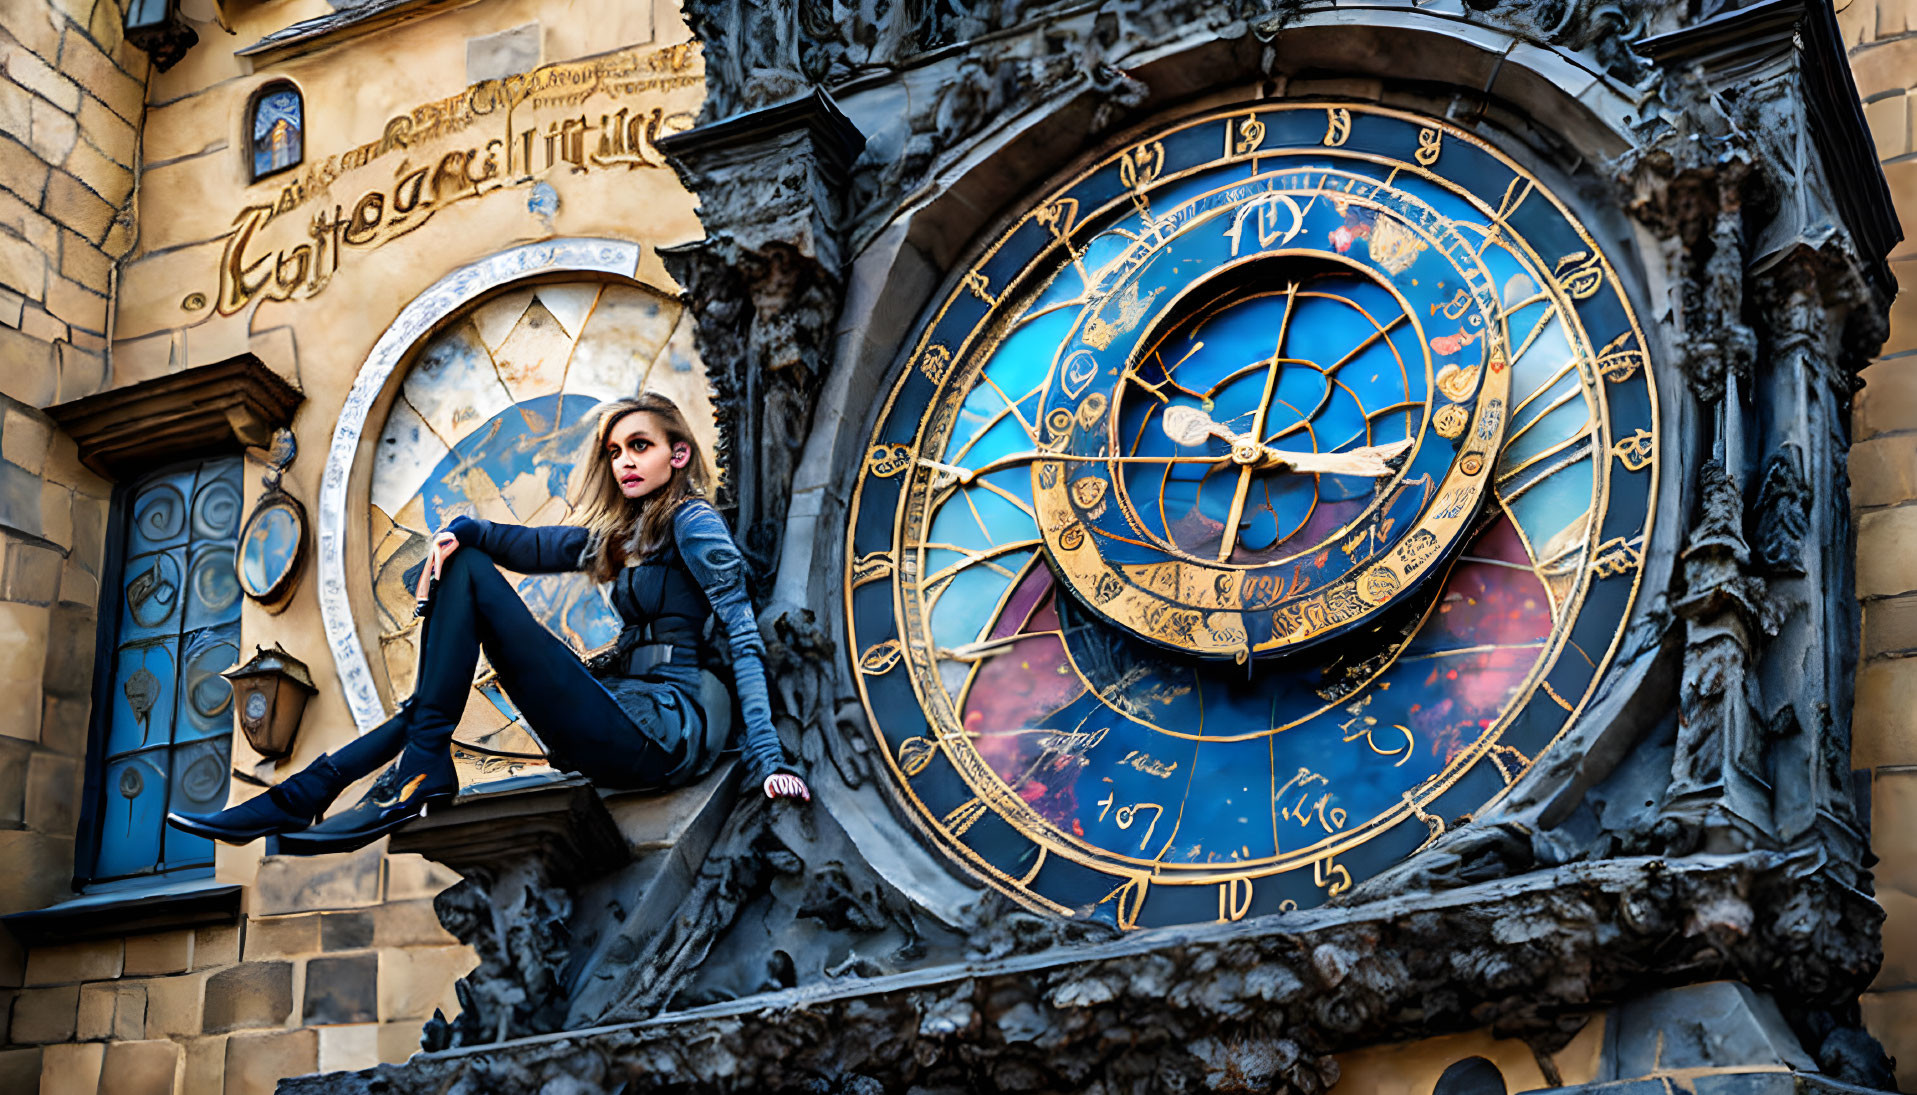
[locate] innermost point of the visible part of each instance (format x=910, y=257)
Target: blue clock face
x=1264, y=499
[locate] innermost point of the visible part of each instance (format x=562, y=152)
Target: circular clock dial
x=1264, y=500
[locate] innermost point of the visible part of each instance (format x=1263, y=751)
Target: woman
x=644, y=714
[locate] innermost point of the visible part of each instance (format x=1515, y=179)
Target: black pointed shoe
x=294, y=804
x=403, y=792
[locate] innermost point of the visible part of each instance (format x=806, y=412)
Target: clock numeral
x=1265, y=214
x=980, y=287
x=1615, y=363
x=870, y=568
x=885, y=461
x=1616, y=557
x=1579, y=275
x=962, y=817
x=1059, y=218
x=1247, y=134
x=1305, y=811
x=915, y=753
x=1130, y=901
x=1337, y=127
x=1635, y=451
x=1332, y=876
x=1139, y=167
x=1234, y=898
x=1430, y=144
x=934, y=362
x=881, y=657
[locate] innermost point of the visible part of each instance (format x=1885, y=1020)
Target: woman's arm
x=528, y=549
x=715, y=562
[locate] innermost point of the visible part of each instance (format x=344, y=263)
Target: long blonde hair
x=623, y=528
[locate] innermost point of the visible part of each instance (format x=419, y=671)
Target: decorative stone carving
x=765, y=286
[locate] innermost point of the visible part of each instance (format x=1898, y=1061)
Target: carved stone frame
x=348, y=471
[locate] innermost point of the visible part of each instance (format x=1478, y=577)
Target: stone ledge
x=1266, y=1000
x=562, y=824
x=130, y=430
x=134, y=912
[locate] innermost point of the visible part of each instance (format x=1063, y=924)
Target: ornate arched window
x=275, y=129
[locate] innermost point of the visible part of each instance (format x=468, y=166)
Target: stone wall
x=119, y=191
x=1882, y=39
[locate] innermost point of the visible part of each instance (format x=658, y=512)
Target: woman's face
x=640, y=455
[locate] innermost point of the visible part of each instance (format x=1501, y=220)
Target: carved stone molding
x=765, y=287
x=1261, y=1005
x=223, y=406
x=423, y=314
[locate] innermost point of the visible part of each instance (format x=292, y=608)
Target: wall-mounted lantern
x=270, y=693
x=158, y=29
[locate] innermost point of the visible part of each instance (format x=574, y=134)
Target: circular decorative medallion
x=1264, y=500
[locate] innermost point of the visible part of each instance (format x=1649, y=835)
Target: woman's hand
x=444, y=544
x=786, y=785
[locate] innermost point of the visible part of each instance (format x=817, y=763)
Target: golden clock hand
x=965, y=476
x=1229, y=540
x=1189, y=426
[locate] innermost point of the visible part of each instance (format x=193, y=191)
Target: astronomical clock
x=1266, y=499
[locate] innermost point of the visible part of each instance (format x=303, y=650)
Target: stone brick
x=1889, y=120
x=343, y=989
x=110, y=1009
x=409, y=924
x=108, y=28
x=175, y=1006
x=30, y=375
x=252, y=994
x=109, y=132
x=26, y=221
x=13, y=781
x=205, y=1066
x=52, y=132
x=63, y=724
x=281, y=936
x=96, y=72
x=216, y=945
x=56, y=515
x=24, y=438
x=37, y=322
x=94, y=168
x=23, y=267
x=21, y=171
x=70, y=203
x=166, y=952
x=415, y=980
x=1887, y=552
x=287, y=884
x=93, y=960
x=255, y=1063
x=16, y=111
x=82, y=371
x=85, y=264
x=1884, y=66
x=20, y=1069
x=398, y=1041
x=70, y=642
x=45, y=1015
x=1883, y=731
x=350, y=1046
x=33, y=572
x=71, y=1070
x=53, y=799
x=76, y=304
x=1890, y=626
x=141, y=1068
x=11, y=305
x=410, y=875
x=39, y=77
x=35, y=26
x=347, y=931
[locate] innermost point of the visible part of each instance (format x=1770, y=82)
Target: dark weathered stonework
x=1695, y=825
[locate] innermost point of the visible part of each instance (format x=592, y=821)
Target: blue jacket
x=714, y=563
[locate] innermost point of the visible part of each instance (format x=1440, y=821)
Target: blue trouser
x=574, y=715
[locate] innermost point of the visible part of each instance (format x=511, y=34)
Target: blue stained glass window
x=168, y=714
x=278, y=130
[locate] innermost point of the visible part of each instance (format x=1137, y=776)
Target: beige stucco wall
x=1882, y=37
x=122, y=195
